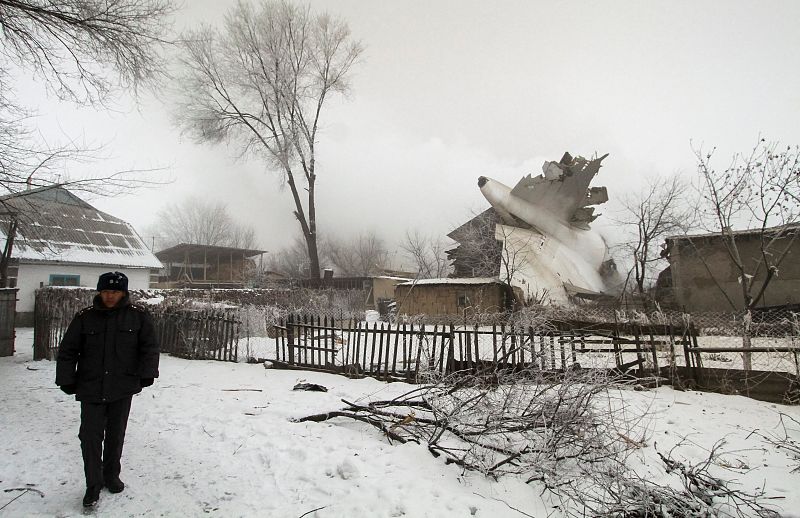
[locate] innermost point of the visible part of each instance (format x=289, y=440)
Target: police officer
x=107, y=355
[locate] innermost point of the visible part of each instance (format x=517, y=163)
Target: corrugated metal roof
x=56, y=225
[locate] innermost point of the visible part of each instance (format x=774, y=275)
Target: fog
x=447, y=91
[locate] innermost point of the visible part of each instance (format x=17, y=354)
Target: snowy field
x=216, y=439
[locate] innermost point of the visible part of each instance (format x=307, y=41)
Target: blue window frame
x=60, y=279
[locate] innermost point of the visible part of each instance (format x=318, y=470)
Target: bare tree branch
x=198, y=222
x=261, y=82
x=661, y=209
x=76, y=45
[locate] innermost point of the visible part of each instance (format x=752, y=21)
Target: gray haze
x=451, y=90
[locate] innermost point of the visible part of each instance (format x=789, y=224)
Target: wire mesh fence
x=249, y=325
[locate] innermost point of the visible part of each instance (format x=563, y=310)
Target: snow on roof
x=455, y=280
x=56, y=225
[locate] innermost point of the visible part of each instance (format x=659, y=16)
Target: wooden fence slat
x=419, y=352
x=494, y=343
x=372, y=350
x=357, y=354
x=379, y=369
x=406, y=352
x=503, y=353
x=393, y=370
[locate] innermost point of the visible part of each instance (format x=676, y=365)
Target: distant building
x=189, y=265
x=453, y=296
x=702, y=276
x=478, y=251
x=61, y=240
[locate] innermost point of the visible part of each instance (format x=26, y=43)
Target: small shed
x=453, y=296
x=206, y=266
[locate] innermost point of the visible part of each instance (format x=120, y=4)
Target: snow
x=131, y=257
x=217, y=438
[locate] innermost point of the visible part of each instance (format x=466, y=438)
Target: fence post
x=290, y=338
x=653, y=350
x=451, y=353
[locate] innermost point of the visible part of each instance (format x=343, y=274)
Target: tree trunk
x=313, y=256
x=311, y=237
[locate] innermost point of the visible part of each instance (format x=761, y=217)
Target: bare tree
x=759, y=191
x=364, y=255
x=291, y=261
x=83, y=50
x=199, y=222
x=73, y=44
x=428, y=254
x=262, y=81
x=659, y=210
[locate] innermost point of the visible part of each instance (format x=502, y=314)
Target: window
x=59, y=279
x=463, y=300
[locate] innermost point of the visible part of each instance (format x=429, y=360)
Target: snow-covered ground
x=213, y=438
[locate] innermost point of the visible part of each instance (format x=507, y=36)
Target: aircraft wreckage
x=544, y=227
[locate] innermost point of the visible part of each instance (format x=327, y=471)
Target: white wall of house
x=33, y=276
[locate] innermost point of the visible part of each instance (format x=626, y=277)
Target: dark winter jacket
x=105, y=353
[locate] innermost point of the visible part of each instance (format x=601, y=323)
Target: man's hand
x=68, y=389
x=146, y=382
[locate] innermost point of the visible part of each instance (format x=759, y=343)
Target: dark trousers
x=98, y=421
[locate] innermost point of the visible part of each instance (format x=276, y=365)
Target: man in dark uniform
x=107, y=355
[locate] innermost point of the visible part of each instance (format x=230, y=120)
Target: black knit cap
x=113, y=281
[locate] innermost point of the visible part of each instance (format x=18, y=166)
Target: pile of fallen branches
x=523, y=422
x=569, y=433
x=787, y=440
x=690, y=490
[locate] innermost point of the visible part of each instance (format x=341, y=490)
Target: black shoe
x=92, y=496
x=115, y=485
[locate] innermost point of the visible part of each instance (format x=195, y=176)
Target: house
x=453, y=296
x=702, y=276
x=61, y=240
x=189, y=265
x=478, y=251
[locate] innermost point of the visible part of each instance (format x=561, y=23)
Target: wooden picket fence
x=53, y=311
x=199, y=334
x=203, y=333
x=408, y=352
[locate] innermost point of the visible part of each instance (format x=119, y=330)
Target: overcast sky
x=447, y=91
